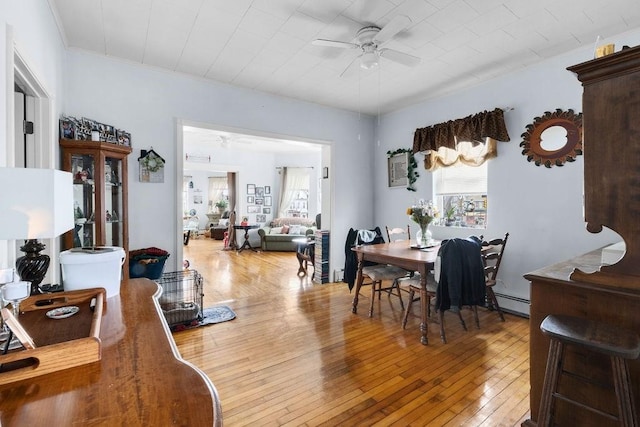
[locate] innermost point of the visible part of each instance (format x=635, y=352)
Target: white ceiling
x=266, y=44
x=201, y=141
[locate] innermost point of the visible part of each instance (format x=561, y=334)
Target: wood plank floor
x=296, y=355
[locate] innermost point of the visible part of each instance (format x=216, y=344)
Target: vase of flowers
x=423, y=213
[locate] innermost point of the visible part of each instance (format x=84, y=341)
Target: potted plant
x=450, y=216
x=221, y=205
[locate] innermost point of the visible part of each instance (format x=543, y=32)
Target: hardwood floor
x=296, y=355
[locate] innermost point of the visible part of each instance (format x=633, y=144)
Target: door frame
x=18, y=72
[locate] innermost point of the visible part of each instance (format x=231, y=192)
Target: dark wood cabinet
x=583, y=287
x=100, y=194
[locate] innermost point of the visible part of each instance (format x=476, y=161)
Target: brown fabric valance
x=475, y=129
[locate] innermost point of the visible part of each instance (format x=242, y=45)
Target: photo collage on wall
x=259, y=202
x=85, y=129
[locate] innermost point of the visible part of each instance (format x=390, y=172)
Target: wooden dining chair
x=375, y=274
x=458, y=267
x=397, y=234
x=492, y=252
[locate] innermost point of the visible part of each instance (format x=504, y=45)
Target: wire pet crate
x=181, y=299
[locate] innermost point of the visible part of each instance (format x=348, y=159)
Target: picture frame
x=251, y=189
x=254, y=209
x=267, y=200
x=266, y=211
x=267, y=189
x=259, y=201
x=261, y=218
x=250, y=200
x=67, y=129
x=397, y=168
x=259, y=191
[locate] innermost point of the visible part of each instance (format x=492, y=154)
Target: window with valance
x=470, y=140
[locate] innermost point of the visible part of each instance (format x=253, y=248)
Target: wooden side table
x=305, y=253
x=246, y=244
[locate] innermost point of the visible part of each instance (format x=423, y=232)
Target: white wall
x=148, y=103
x=29, y=27
x=541, y=208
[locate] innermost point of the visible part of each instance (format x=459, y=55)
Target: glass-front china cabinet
x=99, y=192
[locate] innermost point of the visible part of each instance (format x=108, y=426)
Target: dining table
x=400, y=254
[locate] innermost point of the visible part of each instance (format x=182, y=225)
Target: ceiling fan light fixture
x=369, y=60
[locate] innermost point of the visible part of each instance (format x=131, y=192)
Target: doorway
x=256, y=159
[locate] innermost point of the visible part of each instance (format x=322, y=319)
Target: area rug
x=211, y=316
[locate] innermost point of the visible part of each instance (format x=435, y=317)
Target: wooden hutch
x=100, y=194
x=582, y=286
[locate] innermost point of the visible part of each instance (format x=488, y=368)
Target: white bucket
x=93, y=267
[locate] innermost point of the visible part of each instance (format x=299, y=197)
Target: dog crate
x=181, y=299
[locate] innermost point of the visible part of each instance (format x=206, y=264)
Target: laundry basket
x=147, y=262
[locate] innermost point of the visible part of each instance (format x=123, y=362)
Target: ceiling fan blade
x=400, y=57
x=353, y=65
x=334, y=43
x=397, y=24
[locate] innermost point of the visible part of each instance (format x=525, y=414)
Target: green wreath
x=412, y=167
x=152, y=163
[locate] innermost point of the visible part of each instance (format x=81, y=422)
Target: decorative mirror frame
x=532, y=140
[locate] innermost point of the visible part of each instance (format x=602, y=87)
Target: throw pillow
x=223, y=222
x=276, y=230
x=285, y=229
x=294, y=229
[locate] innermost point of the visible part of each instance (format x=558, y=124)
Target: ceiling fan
x=369, y=39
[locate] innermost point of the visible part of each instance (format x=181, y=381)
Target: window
x=460, y=193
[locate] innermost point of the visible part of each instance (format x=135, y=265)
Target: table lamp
x=35, y=204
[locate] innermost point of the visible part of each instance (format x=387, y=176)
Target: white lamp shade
x=35, y=203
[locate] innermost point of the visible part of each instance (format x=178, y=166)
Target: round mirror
x=553, y=139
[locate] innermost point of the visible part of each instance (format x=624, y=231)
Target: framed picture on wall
x=267, y=189
x=254, y=209
x=267, y=200
x=266, y=210
x=260, y=191
x=259, y=201
x=250, y=200
x=398, y=170
x=261, y=218
x=251, y=189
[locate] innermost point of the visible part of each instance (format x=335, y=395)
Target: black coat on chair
x=350, y=257
x=462, y=280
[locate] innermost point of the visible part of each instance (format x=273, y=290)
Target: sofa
x=278, y=235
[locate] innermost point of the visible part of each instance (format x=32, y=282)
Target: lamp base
x=33, y=266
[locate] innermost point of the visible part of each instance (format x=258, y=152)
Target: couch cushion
x=294, y=229
x=278, y=222
x=276, y=230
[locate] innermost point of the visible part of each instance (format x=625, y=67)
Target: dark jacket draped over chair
x=462, y=280
x=351, y=259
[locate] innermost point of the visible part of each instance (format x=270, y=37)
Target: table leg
x=424, y=327
x=359, y=280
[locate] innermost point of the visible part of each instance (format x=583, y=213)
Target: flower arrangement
x=423, y=212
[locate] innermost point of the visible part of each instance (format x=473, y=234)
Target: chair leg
x=622, y=383
x=464, y=325
x=554, y=360
x=373, y=295
x=443, y=336
x=475, y=315
x=397, y=286
x=407, y=311
x=494, y=301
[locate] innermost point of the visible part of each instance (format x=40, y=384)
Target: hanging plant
x=412, y=167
